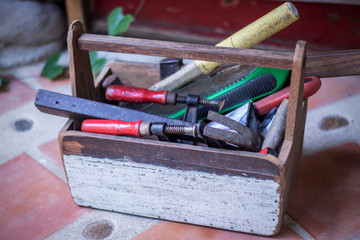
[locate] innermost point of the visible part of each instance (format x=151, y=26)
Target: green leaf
x=93, y=55
x=117, y=22
x=97, y=64
x=55, y=72
x=51, y=62
x=125, y=23
x=51, y=70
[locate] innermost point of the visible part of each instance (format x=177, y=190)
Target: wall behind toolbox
x=326, y=26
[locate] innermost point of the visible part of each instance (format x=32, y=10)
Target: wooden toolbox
x=227, y=189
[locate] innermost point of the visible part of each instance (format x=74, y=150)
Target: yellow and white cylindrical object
x=252, y=34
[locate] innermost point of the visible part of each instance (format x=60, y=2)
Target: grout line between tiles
x=289, y=222
x=46, y=162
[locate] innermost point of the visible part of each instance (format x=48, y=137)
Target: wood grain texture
x=136, y=74
x=174, y=155
x=237, y=203
x=296, y=91
x=74, y=11
x=250, y=57
x=81, y=77
x=334, y=64
x=291, y=151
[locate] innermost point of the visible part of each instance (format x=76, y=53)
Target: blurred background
x=37, y=29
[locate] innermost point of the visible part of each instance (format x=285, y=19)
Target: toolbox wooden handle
x=334, y=64
x=251, y=57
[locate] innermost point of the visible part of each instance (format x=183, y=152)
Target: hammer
x=252, y=34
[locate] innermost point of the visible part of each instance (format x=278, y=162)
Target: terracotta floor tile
x=334, y=89
x=49, y=84
x=14, y=94
x=326, y=196
x=179, y=231
x=34, y=203
x=52, y=150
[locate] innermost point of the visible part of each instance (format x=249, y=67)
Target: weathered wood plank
x=82, y=81
x=236, y=203
x=334, y=64
x=252, y=57
x=136, y=74
x=296, y=92
x=290, y=153
x=177, y=156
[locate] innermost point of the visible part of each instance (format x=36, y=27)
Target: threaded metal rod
x=178, y=129
x=181, y=99
x=202, y=101
x=208, y=102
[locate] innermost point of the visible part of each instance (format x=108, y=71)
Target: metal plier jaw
x=237, y=134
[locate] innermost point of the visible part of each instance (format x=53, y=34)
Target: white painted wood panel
x=238, y=203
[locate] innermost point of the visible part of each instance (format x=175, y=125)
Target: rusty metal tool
x=254, y=33
x=236, y=134
x=142, y=95
x=243, y=137
x=136, y=128
x=311, y=86
x=81, y=109
x=263, y=106
x=219, y=79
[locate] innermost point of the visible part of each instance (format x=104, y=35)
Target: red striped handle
x=133, y=94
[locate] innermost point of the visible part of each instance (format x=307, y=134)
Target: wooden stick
x=296, y=92
x=249, y=36
x=82, y=81
x=250, y=57
x=334, y=64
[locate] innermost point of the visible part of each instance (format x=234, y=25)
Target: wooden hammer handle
x=254, y=33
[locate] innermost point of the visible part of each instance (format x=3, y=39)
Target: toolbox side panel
x=239, y=203
x=172, y=155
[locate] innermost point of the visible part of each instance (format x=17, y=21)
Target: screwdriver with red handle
x=142, y=95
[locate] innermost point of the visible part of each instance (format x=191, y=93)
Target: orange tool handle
x=112, y=127
x=311, y=86
x=133, y=94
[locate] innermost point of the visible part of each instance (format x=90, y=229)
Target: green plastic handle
x=280, y=75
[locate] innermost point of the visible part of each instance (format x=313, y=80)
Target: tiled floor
x=36, y=202
x=325, y=198
x=179, y=231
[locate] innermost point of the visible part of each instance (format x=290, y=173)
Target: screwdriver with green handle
x=249, y=36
